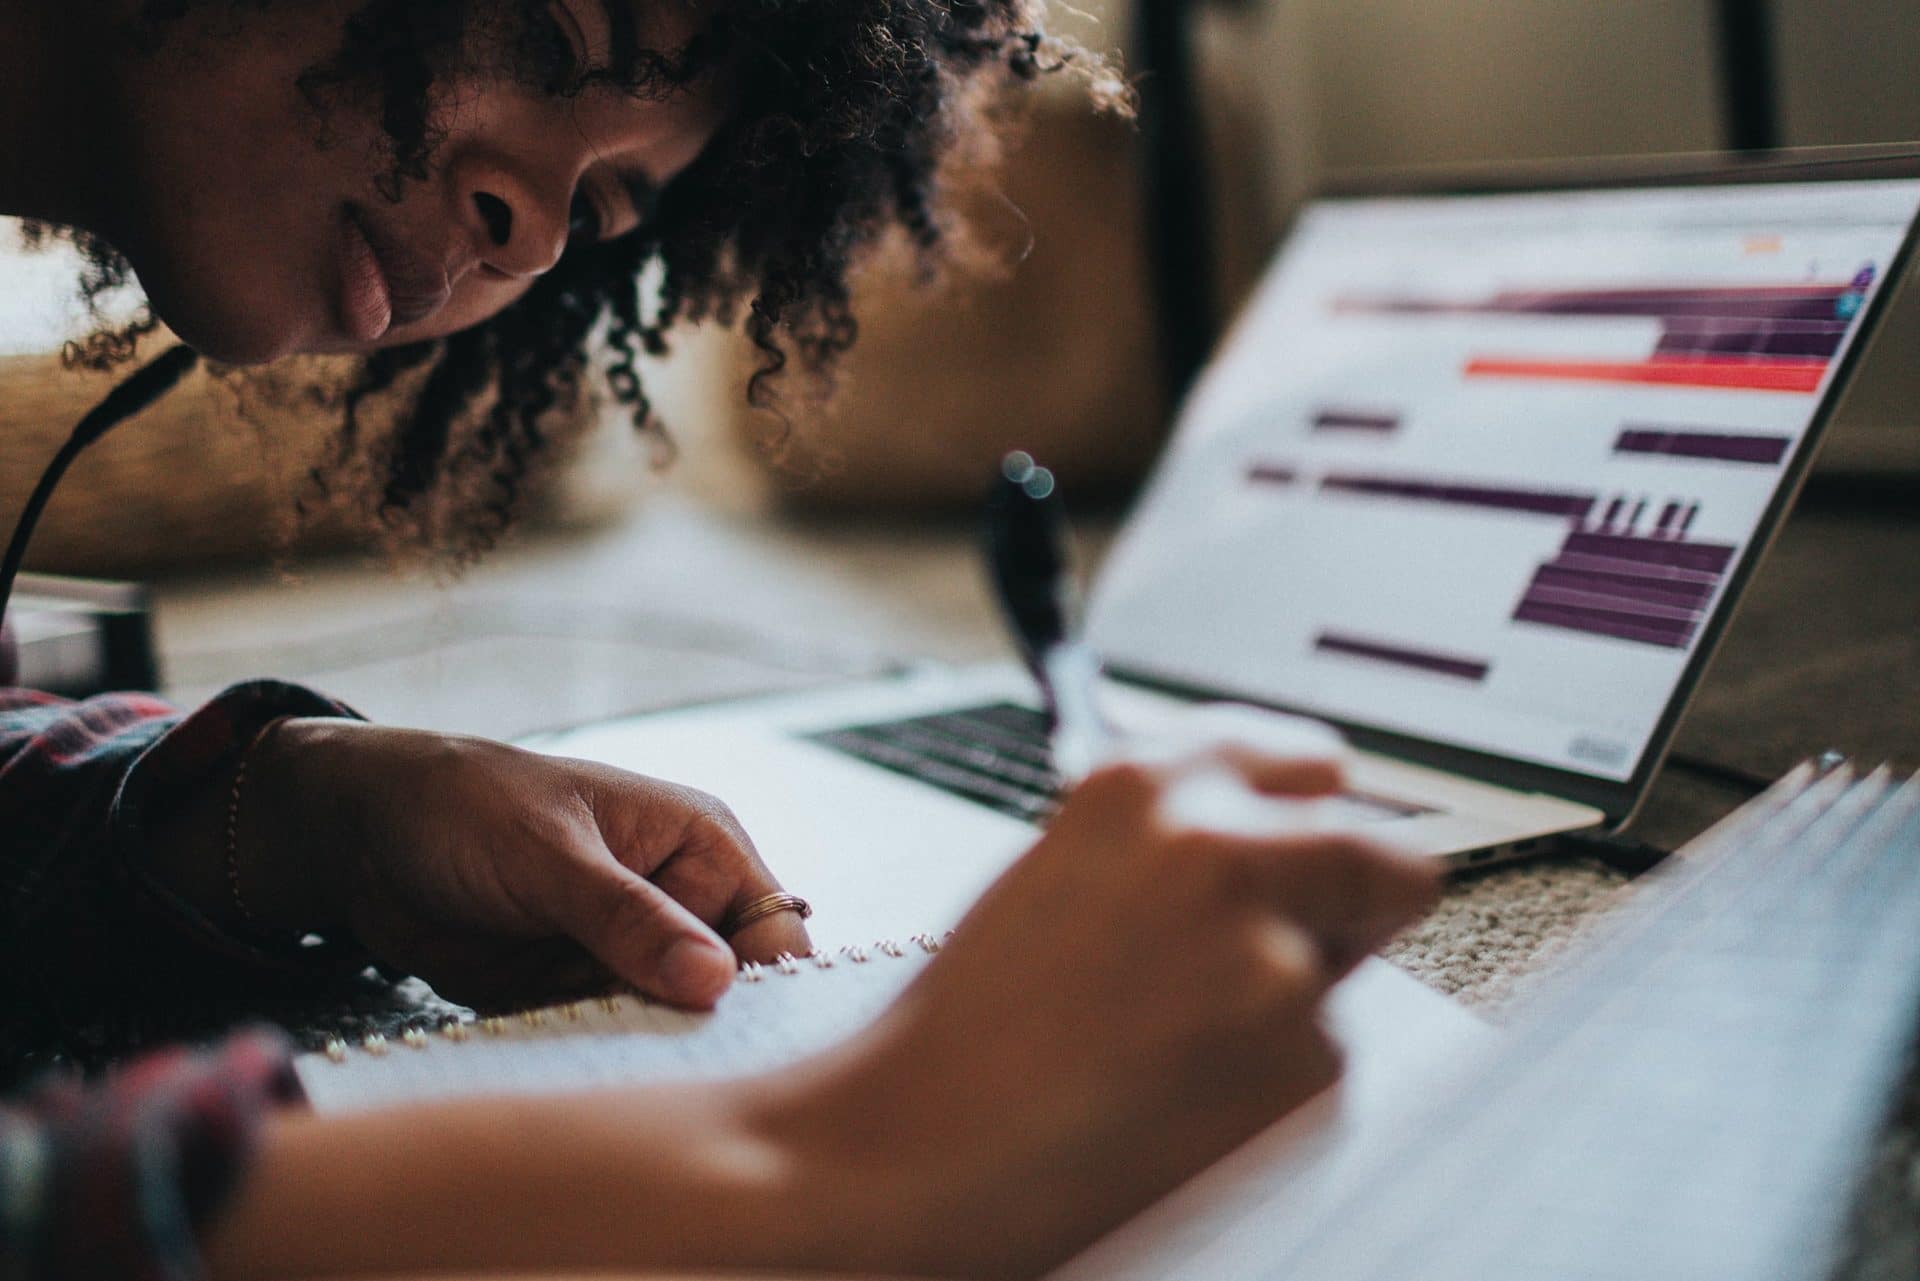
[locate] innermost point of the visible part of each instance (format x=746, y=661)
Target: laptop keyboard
x=997, y=755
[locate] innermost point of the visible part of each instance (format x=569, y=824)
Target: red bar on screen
x=1740, y=375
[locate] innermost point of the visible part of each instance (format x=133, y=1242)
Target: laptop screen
x=1477, y=469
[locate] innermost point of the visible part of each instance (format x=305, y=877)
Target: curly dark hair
x=845, y=118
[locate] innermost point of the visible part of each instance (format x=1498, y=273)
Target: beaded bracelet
x=233, y=820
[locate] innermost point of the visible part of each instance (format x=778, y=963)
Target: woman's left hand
x=500, y=876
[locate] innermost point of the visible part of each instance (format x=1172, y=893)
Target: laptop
x=1477, y=476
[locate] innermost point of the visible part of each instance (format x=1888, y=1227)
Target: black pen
x=1032, y=574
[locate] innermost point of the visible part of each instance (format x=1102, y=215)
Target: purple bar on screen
x=1815, y=302
x=1672, y=635
x=1626, y=607
x=1786, y=342
x=1713, y=335
x=1633, y=521
x=1472, y=669
x=1667, y=514
x=1613, y=513
x=1272, y=474
x=1720, y=446
x=1712, y=558
x=1787, y=303
x=1686, y=521
x=1539, y=502
x=1681, y=593
x=1354, y=420
x=1812, y=347
x=1638, y=568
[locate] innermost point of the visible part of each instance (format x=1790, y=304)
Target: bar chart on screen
x=1760, y=337
x=1482, y=468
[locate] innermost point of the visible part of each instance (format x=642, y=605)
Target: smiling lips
x=384, y=283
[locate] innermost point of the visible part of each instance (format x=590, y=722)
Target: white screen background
x=1327, y=532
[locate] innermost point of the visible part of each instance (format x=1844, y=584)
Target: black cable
x=1728, y=776
x=1883, y=495
x=1747, y=81
x=146, y=385
x=1178, y=194
x=1626, y=855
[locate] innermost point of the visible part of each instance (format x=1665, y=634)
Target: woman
x=459, y=191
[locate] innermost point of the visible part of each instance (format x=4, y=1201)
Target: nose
x=518, y=228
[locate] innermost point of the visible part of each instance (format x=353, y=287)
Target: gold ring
x=767, y=905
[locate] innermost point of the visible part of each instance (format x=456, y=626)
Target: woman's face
x=256, y=223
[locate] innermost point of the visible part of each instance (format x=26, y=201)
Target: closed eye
x=565, y=44
x=622, y=38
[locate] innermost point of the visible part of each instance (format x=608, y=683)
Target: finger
x=1274, y=753
x=720, y=846
x=556, y=969
x=1271, y=775
x=717, y=891
x=715, y=873
x=770, y=937
x=1297, y=963
x=1209, y=797
x=543, y=972
x=707, y=862
x=646, y=938
x=1349, y=894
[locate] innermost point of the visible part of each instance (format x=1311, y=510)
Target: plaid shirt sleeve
x=95, y=951
x=114, y=1180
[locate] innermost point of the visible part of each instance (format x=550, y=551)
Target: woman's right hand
x=1133, y=999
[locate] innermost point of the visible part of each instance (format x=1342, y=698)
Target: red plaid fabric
x=94, y=947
